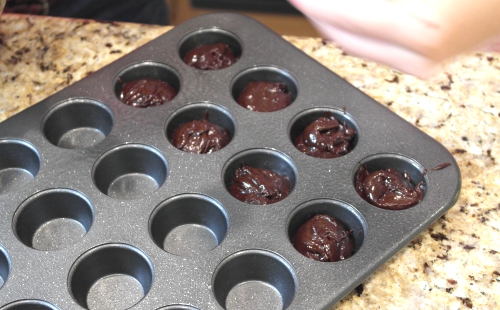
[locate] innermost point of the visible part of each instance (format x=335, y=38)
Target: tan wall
x=284, y=24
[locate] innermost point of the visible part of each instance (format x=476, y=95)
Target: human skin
x=414, y=36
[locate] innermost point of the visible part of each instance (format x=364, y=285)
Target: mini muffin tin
x=99, y=211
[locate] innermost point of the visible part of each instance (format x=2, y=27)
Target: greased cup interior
x=19, y=164
x=110, y=276
x=254, y=279
x=77, y=123
x=5, y=265
x=53, y=219
x=188, y=224
x=130, y=171
x=260, y=158
x=398, y=162
x=348, y=216
x=29, y=304
x=210, y=36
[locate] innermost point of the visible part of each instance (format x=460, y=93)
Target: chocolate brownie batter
x=324, y=239
x=388, y=189
x=325, y=138
x=259, y=186
x=200, y=137
x=147, y=92
x=264, y=96
x=210, y=57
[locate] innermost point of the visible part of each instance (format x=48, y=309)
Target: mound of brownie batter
x=324, y=239
x=259, y=186
x=388, y=189
x=210, y=57
x=147, y=92
x=264, y=96
x=200, y=137
x=325, y=138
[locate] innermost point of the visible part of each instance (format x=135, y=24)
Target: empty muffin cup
x=211, y=36
x=337, y=145
x=19, y=164
x=178, y=307
x=130, y=171
x=390, y=181
x=275, y=88
x=344, y=213
x=29, y=304
x=188, y=224
x=53, y=219
x=110, y=276
x=4, y=266
x=77, y=123
x=276, y=162
x=254, y=279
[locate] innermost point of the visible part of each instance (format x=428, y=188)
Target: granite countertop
x=453, y=264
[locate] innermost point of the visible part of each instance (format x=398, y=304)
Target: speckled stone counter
x=454, y=264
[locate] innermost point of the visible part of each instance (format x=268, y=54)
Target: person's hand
x=413, y=36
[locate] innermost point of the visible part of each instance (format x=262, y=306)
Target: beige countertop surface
x=453, y=264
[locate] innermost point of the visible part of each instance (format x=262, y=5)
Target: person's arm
x=410, y=35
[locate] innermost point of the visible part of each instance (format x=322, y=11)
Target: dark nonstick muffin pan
x=98, y=210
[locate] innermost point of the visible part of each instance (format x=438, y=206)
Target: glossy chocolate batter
x=147, y=92
x=388, y=189
x=324, y=239
x=200, y=137
x=325, y=138
x=264, y=96
x=259, y=186
x=210, y=57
